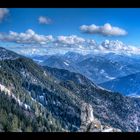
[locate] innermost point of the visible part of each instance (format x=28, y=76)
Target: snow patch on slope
x=9, y=93
x=66, y=63
x=6, y=90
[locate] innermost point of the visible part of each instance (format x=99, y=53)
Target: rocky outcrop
x=91, y=124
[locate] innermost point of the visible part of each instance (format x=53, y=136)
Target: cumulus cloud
x=3, y=13
x=106, y=46
x=73, y=42
x=29, y=37
x=86, y=47
x=44, y=20
x=29, y=42
x=105, y=30
x=118, y=47
x=70, y=40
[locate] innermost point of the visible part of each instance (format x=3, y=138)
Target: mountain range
x=38, y=98
x=112, y=71
x=127, y=85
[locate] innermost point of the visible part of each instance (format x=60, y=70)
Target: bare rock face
x=91, y=124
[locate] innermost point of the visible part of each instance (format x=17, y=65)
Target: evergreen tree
x=14, y=124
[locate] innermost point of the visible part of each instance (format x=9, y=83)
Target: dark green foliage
x=110, y=108
x=18, y=75
x=14, y=118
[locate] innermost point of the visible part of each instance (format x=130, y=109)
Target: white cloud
x=105, y=30
x=3, y=13
x=70, y=40
x=29, y=37
x=44, y=20
x=29, y=42
x=85, y=47
x=118, y=47
x=73, y=42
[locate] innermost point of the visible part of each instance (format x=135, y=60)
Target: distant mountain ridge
x=127, y=85
x=98, y=68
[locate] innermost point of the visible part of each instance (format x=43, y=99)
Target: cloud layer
x=105, y=30
x=3, y=13
x=29, y=37
x=106, y=46
x=70, y=40
x=118, y=47
x=44, y=20
x=41, y=44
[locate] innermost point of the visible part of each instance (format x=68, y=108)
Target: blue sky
x=66, y=21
